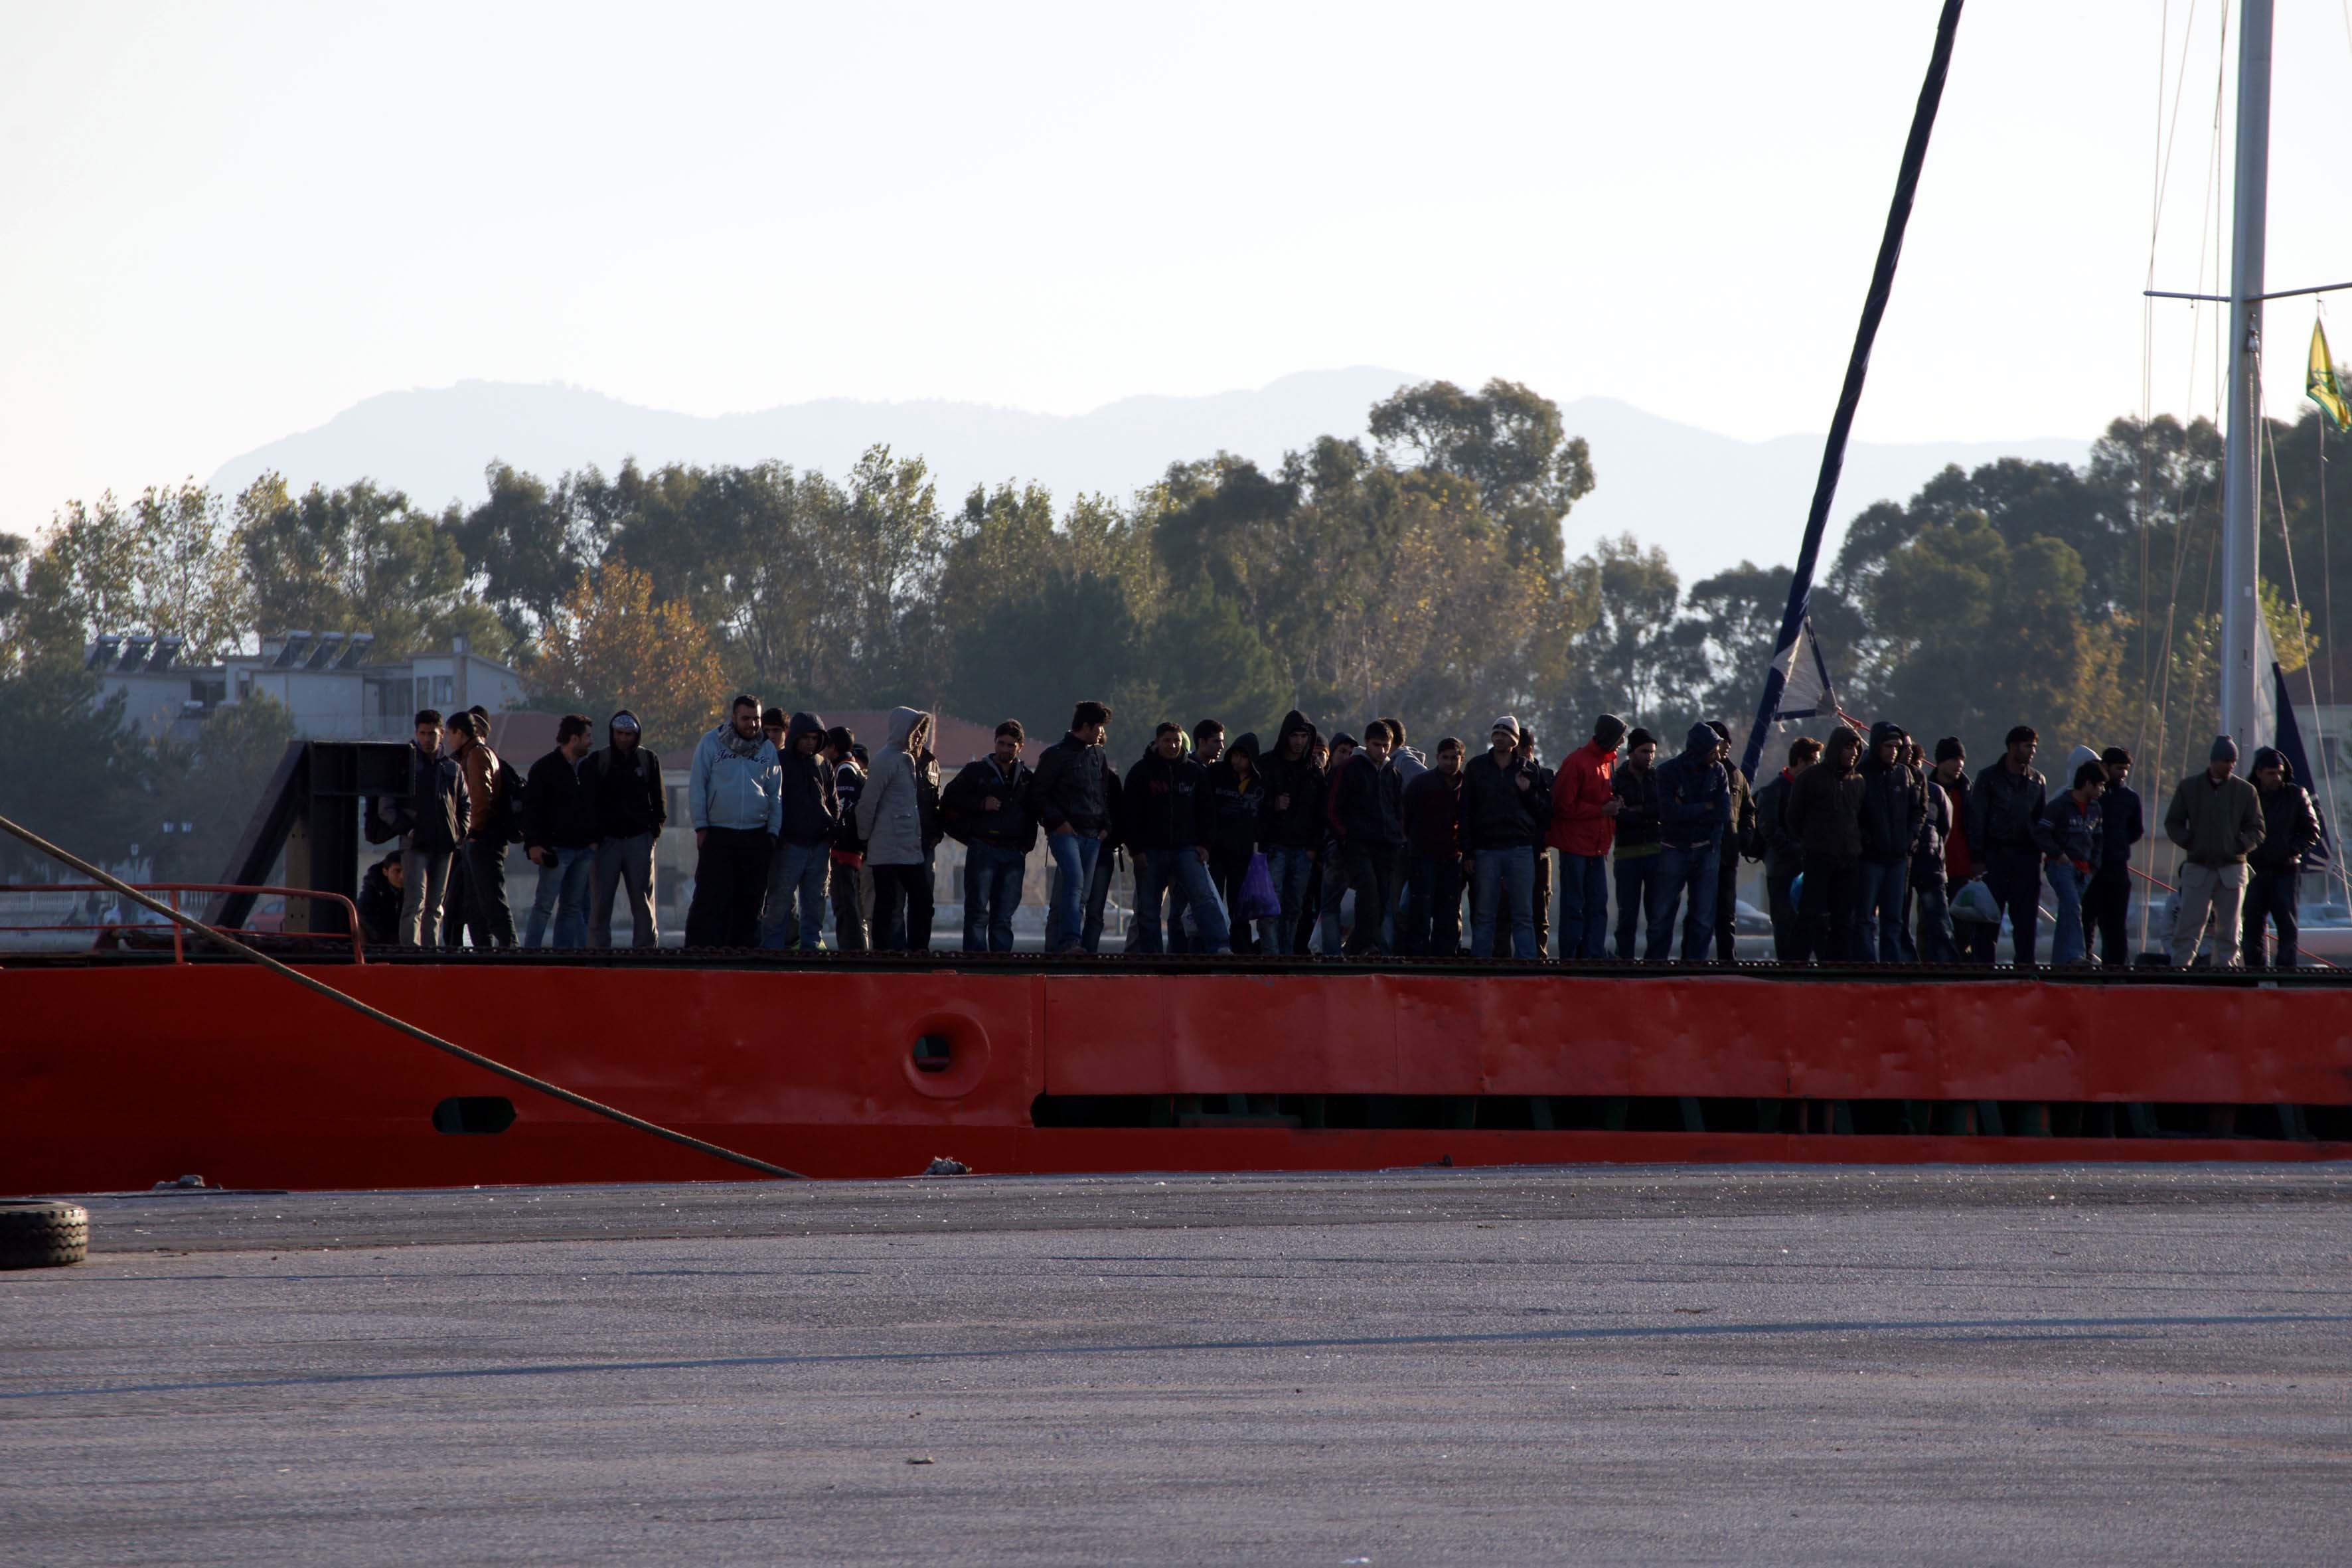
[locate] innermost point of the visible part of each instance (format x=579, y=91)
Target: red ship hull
x=116, y=1077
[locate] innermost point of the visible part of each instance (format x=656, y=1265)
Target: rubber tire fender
x=38, y=1233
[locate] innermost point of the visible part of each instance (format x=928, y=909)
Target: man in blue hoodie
x=733, y=795
x=1694, y=808
x=809, y=817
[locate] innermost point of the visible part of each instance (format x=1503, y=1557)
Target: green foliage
x=529, y=542
x=356, y=559
x=1064, y=637
x=1507, y=440
x=80, y=775
x=165, y=564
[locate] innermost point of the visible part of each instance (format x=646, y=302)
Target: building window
x=446, y=688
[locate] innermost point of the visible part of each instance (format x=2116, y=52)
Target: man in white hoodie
x=890, y=818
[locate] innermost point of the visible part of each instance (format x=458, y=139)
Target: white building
x=326, y=681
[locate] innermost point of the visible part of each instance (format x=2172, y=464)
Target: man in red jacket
x=1584, y=808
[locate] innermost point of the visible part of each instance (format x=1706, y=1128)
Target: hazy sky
x=227, y=222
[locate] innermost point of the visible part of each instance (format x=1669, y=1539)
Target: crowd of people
x=1873, y=850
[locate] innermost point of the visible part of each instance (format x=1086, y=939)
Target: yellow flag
x=2321, y=384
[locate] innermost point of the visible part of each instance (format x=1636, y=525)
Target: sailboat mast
x=2242, y=462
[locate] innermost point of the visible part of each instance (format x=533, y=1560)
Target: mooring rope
x=400, y=1025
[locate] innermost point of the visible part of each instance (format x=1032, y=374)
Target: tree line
x=1421, y=570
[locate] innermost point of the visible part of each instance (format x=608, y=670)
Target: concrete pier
x=2138, y=1363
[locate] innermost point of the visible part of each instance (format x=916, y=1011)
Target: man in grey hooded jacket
x=890, y=820
x=732, y=799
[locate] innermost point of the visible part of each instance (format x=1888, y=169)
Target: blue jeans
x=992, y=891
x=1503, y=886
x=1681, y=868
x=1292, y=870
x=1181, y=874
x=569, y=878
x=1074, y=855
x=1583, y=906
x=2066, y=883
x=1878, y=918
x=803, y=870
x=1936, y=944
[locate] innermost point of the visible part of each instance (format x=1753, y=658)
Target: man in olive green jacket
x=2216, y=818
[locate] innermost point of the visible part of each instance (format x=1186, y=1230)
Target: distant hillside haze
x=1709, y=499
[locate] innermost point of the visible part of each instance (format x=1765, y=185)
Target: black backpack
x=506, y=818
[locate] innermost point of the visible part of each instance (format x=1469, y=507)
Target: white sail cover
x=1806, y=690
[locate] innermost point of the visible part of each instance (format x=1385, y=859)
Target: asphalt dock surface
x=2027, y=1364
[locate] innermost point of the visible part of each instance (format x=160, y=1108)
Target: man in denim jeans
x=1293, y=829
x=1071, y=793
x=559, y=836
x=1505, y=812
x=1894, y=807
x=809, y=817
x=986, y=808
x=1167, y=827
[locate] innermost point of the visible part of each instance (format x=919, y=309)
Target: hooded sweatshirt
x=811, y=812
x=889, y=814
x=1693, y=793
x=1299, y=824
x=626, y=780
x=2290, y=824
x=1893, y=803
x=2217, y=824
x=1237, y=808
